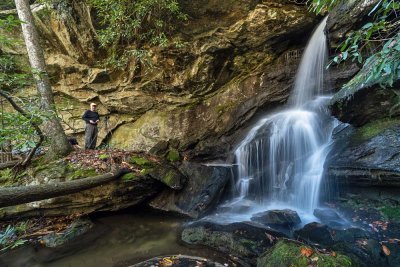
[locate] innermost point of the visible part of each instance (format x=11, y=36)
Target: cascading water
x=281, y=159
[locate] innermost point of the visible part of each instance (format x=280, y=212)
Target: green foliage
x=7, y=4
x=319, y=6
x=129, y=27
x=15, y=129
x=376, y=44
x=9, y=237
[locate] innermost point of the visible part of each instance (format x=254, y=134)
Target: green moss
x=391, y=213
x=286, y=253
x=141, y=161
x=6, y=177
x=129, y=177
x=372, y=129
x=103, y=156
x=173, y=155
x=145, y=171
x=77, y=173
x=170, y=178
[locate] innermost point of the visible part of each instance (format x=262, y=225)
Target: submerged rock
x=243, y=240
x=178, y=261
x=73, y=231
x=330, y=218
x=284, y=217
x=315, y=233
x=326, y=214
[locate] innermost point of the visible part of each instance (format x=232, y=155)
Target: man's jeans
x=90, y=136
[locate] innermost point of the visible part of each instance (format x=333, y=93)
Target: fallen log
x=9, y=164
x=10, y=196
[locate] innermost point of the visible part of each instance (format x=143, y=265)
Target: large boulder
x=359, y=105
x=289, y=253
x=242, y=240
x=202, y=192
x=366, y=156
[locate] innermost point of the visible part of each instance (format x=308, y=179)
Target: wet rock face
x=243, y=240
x=345, y=16
x=231, y=68
x=201, y=193
x=366, y=156
x=277, y=217
x=365, y=104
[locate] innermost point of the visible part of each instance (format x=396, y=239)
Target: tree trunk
x=52, y=128
x=10, y=196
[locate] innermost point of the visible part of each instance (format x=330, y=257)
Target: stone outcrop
x=243, y=240
x=231, y=67
x=202, y=192
x=366, y=156
x=345, y=16
x=148, y=179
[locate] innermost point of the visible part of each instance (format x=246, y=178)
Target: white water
x=280, y=162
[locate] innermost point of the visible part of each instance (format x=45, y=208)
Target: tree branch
x=26, y=161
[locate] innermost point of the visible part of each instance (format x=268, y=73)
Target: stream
x=121, y=239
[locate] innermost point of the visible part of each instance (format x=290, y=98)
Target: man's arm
x=85, y=117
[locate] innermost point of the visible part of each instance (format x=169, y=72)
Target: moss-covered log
x=10, y=196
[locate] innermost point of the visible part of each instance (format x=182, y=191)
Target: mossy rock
x=140, y=161
x=129, y=177
x=374, y=128
x=286, y=253
x=173, y=155
x=53, y=170
x=74, y=174
x=172, y=179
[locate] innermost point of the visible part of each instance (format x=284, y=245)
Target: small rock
x=284, y=217
x=316, y=233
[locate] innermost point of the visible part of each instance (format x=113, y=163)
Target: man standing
x=91, y=117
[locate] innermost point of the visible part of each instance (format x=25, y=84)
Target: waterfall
x=281, y=159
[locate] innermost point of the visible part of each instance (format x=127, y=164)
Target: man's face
x=93, y=108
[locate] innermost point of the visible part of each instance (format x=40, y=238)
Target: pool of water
x=117, y=240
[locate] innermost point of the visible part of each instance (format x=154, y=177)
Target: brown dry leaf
x=333, y=254
x=306, y=251
x=386, y=250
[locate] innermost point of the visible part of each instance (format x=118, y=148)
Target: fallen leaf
x=386, y=250
x=306, y=252
x=333, y=254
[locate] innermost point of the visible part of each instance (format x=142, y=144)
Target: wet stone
x=284, y=217
x=315, y=233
